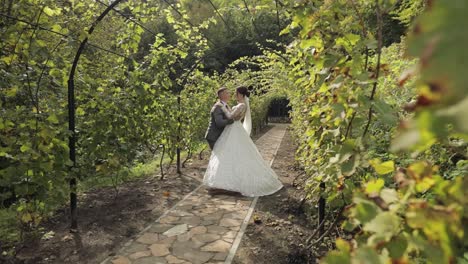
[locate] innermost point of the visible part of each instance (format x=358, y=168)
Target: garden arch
x=71, y=91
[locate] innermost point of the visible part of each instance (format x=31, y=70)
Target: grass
x=10, y=226
x=10, y=230
x=138, y=171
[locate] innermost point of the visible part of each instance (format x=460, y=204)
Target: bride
x=235, y=163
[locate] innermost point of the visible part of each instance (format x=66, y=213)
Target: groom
x=218, y=119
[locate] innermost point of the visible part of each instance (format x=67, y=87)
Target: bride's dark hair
x=243, y=90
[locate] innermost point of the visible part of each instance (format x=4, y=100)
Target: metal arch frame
x=72, y=105
x=71, y=116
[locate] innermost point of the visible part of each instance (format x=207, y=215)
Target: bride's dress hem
x=236, y=165
x=243, y=194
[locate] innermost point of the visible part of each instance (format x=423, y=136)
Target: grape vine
x=377, y=90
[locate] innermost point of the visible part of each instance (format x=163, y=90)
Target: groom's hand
x=220, y=119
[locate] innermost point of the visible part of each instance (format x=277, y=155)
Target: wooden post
x=179, y=130
x=321, y=208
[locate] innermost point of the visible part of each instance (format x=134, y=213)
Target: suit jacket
x=218, y=121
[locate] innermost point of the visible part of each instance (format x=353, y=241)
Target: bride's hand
x=226, y=112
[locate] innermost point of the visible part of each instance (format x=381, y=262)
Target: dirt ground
x=280, y=226
x=276, y=234
x=107, y=222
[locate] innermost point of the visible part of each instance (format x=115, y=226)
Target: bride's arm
x=237, y=113
x=229, y=114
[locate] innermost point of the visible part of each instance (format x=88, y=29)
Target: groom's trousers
x=211, y=143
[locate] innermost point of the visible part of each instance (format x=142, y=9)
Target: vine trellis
x=71, y=90
x=71, y=114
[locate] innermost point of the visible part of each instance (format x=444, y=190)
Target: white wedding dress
x=235, y=163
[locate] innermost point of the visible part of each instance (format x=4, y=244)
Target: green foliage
x=125, y=108
x=141, y=86
x=408, y=10
x=257, y=73
x=33, y=140
x=9, y=228
x=379, y=118
x=348, y=94
x=245, y=27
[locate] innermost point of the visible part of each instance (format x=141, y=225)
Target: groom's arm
x=220, y=119
x=237, y=114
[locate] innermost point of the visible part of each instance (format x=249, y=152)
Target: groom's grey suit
x=218, y=122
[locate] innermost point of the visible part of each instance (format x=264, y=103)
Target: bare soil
x=107, y=221
x=281, y=224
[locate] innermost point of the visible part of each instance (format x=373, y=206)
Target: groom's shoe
x=214, y=191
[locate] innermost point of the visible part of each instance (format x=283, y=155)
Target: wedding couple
x=235, y=164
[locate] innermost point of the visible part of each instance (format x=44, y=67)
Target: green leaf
x=53, y=119
x=170, y=19
x=353, y=38
x=367, y=255
x=364, y=211
x=336, y=257
x=347, y=150
x=382, y=167
x=373, y=187
x=386, y=113
x=397, y=247
x=80, y=111
x=385, y=224
x=12, y=92
x=425, y=184
x=9, y=59
x=416, y=218
x=405, y=140
x=314, y=42
x=343, y=245
x=371, y=43
x=341, y=255
x=25, y=148
x=349, y=167
x=348, y=226
x=48, y=11
x=26, y=218
x=389, y=195
x=376, y=240
x=286, y=30
x=48, y=235
x=56, y=28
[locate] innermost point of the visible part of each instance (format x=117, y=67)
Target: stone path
x=200, y=228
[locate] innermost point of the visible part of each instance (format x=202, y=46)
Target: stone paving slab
x=200, y=228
